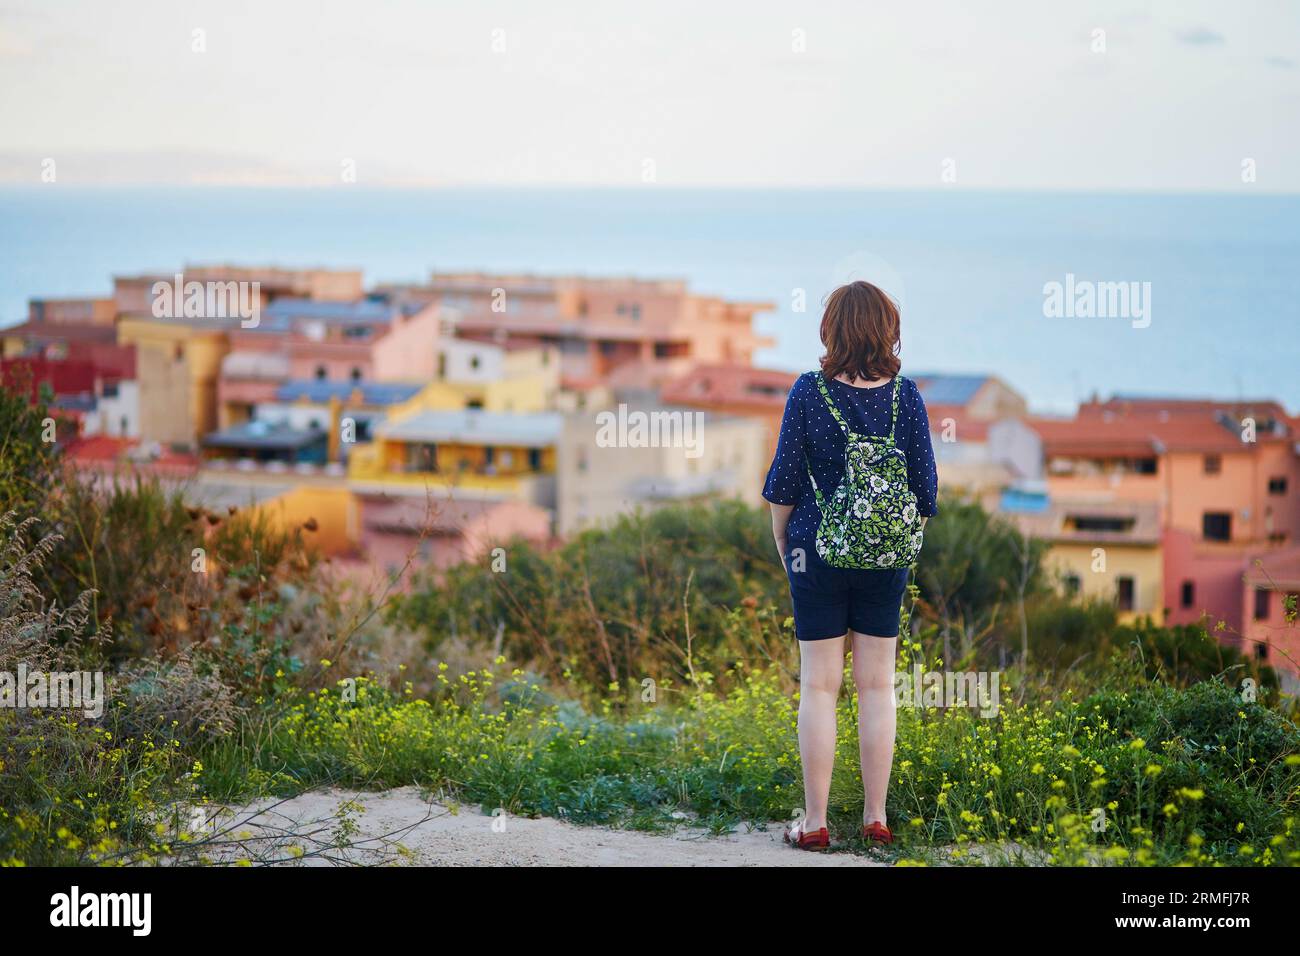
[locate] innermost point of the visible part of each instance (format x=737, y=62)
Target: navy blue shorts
x=828, y=602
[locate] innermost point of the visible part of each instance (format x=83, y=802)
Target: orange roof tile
x=1144, y=435
x=729, y=385
x=105, y=450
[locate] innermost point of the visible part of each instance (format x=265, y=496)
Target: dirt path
x=431, y=834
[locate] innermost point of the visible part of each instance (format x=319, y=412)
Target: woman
x=856, y=393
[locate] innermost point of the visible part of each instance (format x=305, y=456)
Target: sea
x=1214, y=278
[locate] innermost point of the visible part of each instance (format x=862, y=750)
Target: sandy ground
x=400, y=827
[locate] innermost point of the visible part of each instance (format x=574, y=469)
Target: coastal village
x=433, y=421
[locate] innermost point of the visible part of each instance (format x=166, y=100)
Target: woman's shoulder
x=804, y=384
x=910, y=399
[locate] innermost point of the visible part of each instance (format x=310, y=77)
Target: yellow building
x=478, y=453
x=523, y=376
x=178, y=364
x=1108, y=551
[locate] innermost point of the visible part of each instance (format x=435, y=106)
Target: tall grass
x=1156, y=775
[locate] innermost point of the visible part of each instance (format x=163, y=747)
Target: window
x=422, y=458
x=321, y=373
x=1072, y=584
x=1124, y=591
x=1102, y=523
x=355, y=374
x=1216, y=526
x=1188, y=594
x=475, y=362
x=110, y=390
x=1213, y=464
x=1261, y=650
x=442, y=365
x=534, y=459
x=1143, y=466
x=1277, y=485
x=636, y=313
x=1263, y=602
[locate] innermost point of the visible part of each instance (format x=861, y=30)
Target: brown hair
x=860, y=331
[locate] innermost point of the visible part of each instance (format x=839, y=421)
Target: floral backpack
x=871, y=521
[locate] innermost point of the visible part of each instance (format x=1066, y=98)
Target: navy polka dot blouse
x=808, y=428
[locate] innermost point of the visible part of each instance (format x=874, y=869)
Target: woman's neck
x=862, y=382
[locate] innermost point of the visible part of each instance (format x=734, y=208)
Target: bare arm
x=780, y=519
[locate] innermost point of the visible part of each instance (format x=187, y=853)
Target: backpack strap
x=893, y=405
x=835, y=412
x=817, y=492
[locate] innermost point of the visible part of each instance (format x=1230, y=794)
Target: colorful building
x=92, y=377
x=1108, y=551
x=598, y=324
x=446, y=531
x=683, y=455
x=1271, y=598
x=178, y=364
x=1222, y=476
x=470, y=452
x=735, y=390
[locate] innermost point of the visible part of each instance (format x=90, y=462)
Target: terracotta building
x=1222, y=477
x=598, y=324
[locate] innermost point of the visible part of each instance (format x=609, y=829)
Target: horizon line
x=1244, y=191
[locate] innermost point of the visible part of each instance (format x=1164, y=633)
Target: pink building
x=598, y=325
x=1270, y=597
x=133, y=295
x=1225, y=477
x=300, y=340
x=453, y=531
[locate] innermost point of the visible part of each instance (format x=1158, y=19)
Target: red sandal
x=877, y=833
x=817, y=840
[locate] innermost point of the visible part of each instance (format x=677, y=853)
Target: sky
x=1009, y=95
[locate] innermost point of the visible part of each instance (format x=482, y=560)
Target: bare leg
x=873, y=673
x=821, y=672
